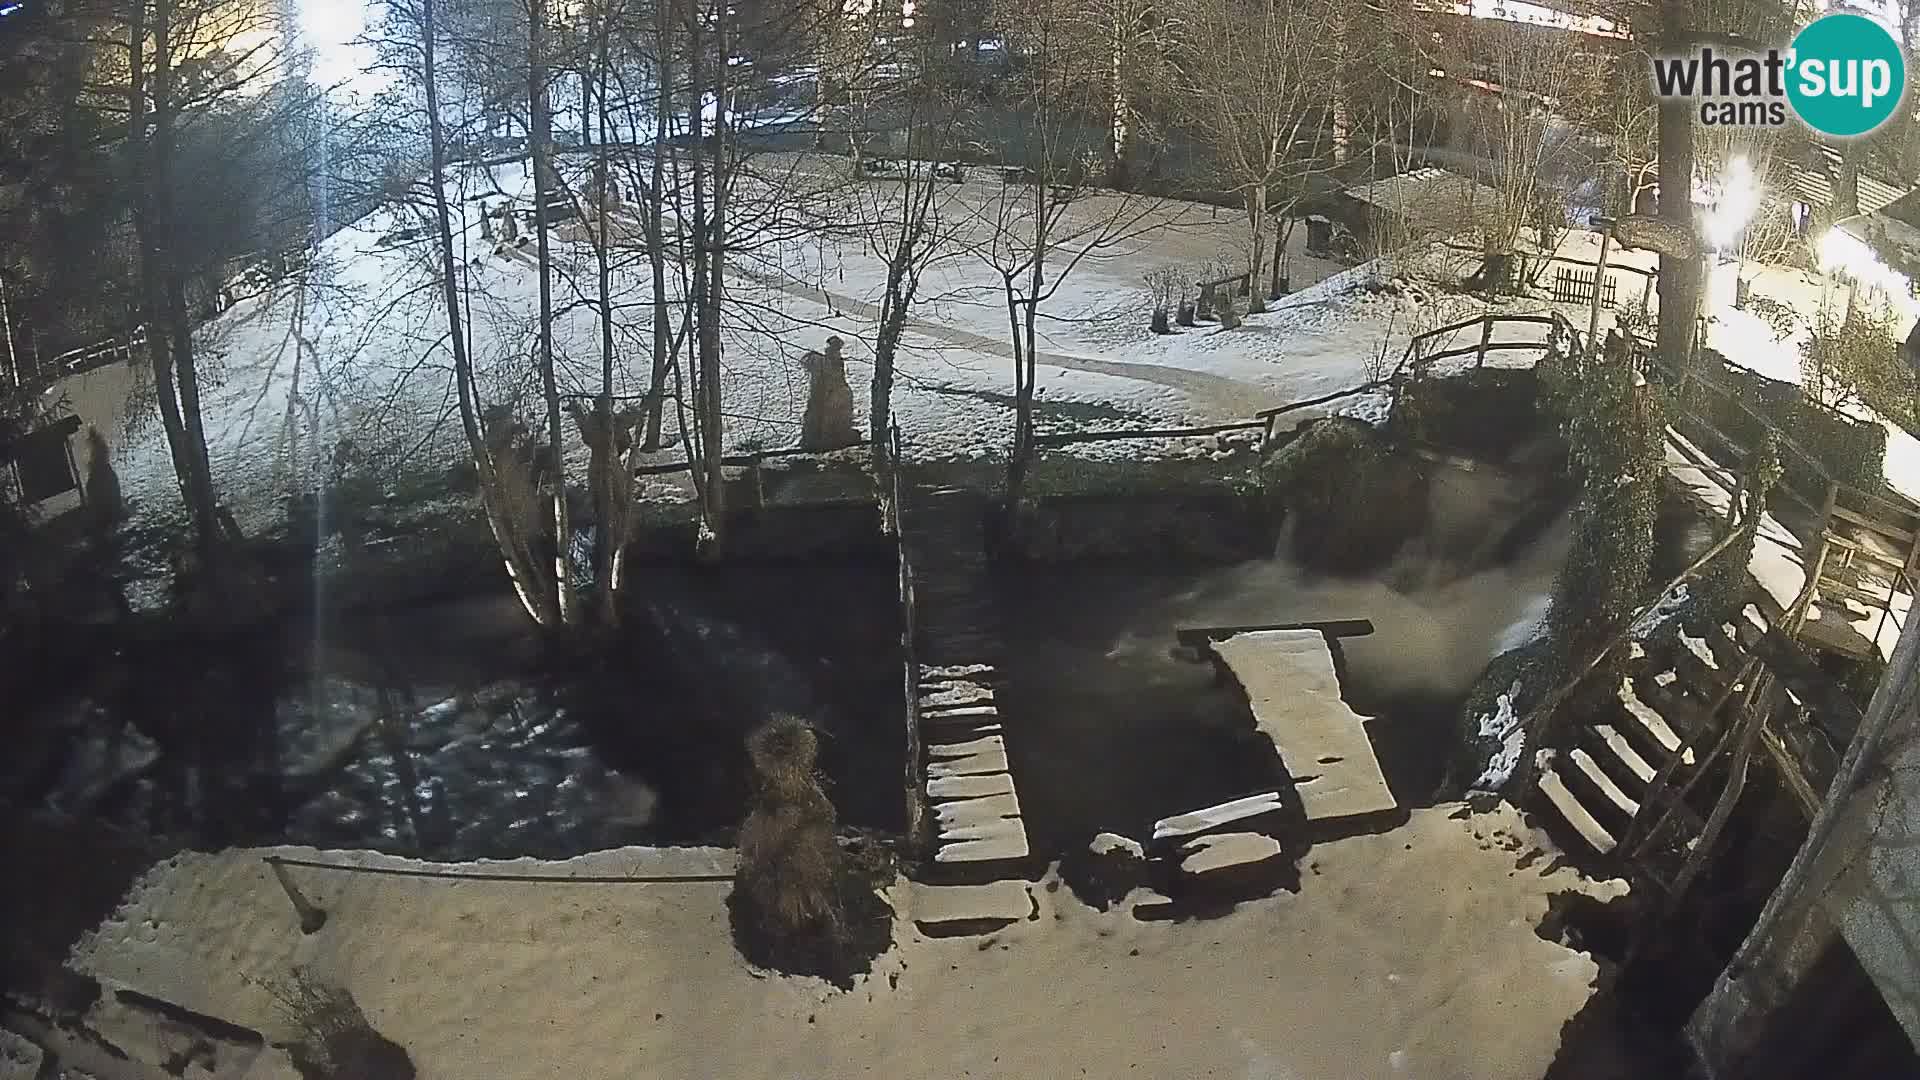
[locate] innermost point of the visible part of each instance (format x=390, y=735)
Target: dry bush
x=334, y=1039
x=789, y=900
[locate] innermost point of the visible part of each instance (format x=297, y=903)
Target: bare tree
x=1034, y=234
x=184, y=57
x=1536, y=88
x=1253, y=80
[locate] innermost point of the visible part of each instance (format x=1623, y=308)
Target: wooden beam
x=1333, y=628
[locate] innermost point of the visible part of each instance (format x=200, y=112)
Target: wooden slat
x=1599, y=779
x=1583, y=822
x=1832, y=589
x=1624, y=751
x=1877, y=525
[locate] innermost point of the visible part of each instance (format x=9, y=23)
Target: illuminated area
x=1731, y=202
x=1848, y=256
x=332, y=28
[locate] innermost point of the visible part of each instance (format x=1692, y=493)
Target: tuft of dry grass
x=334, y=1040
x=791, y=866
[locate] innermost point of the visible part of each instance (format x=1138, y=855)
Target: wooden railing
x=1414, y=362
x=100, y=354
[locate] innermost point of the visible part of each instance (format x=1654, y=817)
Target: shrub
x=1614, y=431
x=1351, y=499
x=797, y=904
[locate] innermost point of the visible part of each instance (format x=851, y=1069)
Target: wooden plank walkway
x=1294, y=691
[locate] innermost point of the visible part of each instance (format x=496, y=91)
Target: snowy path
x=1222, y=397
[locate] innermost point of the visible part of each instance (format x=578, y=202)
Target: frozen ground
x=1407, y=954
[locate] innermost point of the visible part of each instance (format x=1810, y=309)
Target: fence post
x=1486, y=338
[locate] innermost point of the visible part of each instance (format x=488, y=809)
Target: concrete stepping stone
x=969, y=787
x=971, y=908
x=974, y=757
x=1224, y=851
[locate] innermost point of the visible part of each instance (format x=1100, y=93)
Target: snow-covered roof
x=1432, y=197
x=1892, y=231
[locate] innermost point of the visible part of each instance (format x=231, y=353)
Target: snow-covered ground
x=1411, y=953
x=358, y=352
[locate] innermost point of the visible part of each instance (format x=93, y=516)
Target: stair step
x=1649, y=720
x=1576, y=815
x=1592, y=771
x=1625, y=753
x=965, y=714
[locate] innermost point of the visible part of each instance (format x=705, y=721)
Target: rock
x=1222, y=869
x=19, y=1059
x=828, y=423
x=1110, y=868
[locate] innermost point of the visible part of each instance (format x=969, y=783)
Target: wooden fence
x=1576, y=287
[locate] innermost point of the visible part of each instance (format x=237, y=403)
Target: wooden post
x=1599, y=278
x=1486, y=338
x=312, y=917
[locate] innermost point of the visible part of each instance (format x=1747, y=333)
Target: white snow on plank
x=960, y=903
x=1214, y=816
x=1624, y=750
x=1109, y=842
x=1223, y=850
x=956, y=671
x=1009, y=842
x=969, y=787
x=989, y=755
x=972, y=746
x=1777, y=559
x=1585, y=763
x=1576, y=815
x=1294, y=692
x=964, y=712
x=1666, y=678
x=957, y=696
x=1701, y=651
x=966, y=812
x=1655, y=724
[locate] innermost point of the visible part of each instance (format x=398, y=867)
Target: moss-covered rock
x=1350, y=497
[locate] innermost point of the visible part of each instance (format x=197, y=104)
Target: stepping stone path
x=953, y=910
x=976, y=807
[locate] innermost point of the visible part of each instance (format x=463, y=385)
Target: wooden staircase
x=1597, y=786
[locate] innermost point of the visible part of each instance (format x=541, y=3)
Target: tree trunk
x=1256, y=246
x=540, y=138
x=652, y=215
x=169, y=330
x=612, y=477
x=521, y=569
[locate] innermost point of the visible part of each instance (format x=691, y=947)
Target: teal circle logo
x=1846, y=75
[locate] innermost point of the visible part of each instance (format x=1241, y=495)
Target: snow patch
x=1502, y=726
